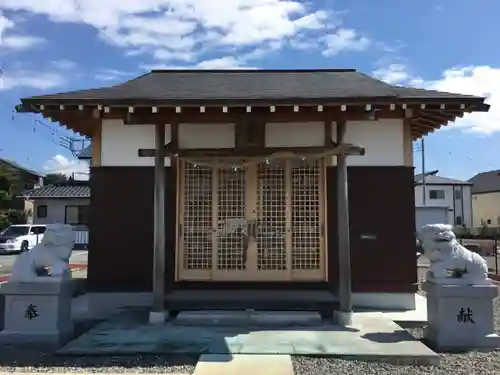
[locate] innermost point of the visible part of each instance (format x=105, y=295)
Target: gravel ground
x=470, y=364
x=34, y=359
x=451, y=364
x=13, y=359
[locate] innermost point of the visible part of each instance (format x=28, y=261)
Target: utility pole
x=424, y=186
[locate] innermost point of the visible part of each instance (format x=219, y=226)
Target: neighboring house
x=85, y=153
x=27, y=179
x=486, y=198
x=233, y=182
x=66, y=203
x=453, y=194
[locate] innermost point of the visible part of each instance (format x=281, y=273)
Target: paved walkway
x=244, y=364
x=372, y=336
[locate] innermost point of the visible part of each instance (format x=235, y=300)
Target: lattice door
x=273, y=221
x=307, y=220
x=262, y=222
x=232, y=241
x=195, y=222
x=290, y=241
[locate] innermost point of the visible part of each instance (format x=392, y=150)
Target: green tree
x=11, y=185
x=54, y=178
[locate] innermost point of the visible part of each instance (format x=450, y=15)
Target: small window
x=41, y=211
x=76, y=215
x=436, y=194
x=458, y=220
x=458, y=194
x=37, y=230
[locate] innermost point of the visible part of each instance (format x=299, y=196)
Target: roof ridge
x=340, y=70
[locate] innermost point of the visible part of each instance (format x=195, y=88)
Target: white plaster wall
x=206, y=135
x=383, y=141
x=120, y=144
x=298, y=134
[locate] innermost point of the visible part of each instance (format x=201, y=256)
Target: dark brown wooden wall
x=121, y=229
x=381, y=204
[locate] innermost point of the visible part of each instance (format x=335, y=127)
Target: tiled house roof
x=74, y=190
x=486, y=182
x=438, y=180
x=85, y=153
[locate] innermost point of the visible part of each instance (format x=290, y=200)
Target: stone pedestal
x=460, y=317
x=37, y=312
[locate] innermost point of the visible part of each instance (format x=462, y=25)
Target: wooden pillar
x=344, y=315
x=158, y=313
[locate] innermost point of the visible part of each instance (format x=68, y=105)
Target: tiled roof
x=486, y=182
x=437, y=180
x=85, y=153
x=78, y=190
x=181, y=87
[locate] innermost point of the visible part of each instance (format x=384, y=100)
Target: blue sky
x=60, y=45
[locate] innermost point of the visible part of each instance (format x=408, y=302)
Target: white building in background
x=442, y=192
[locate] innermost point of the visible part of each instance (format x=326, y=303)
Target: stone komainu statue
x=54, y=251
x=447, y=255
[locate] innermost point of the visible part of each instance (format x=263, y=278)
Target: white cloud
x=5, y=24
x=182, y=30
x=226, y=62
x=28, y=78
x=21, y=42
x=470, y=80
x=42, y=75
x=393, y=74
x=474, y=80
x=15, y=42
x=61, y=164
x=345, y=40
x=113, y=75
x=63, y=64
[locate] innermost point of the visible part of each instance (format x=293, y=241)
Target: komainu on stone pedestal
x=450, y=262
x=53, y=251
x=38, y=308
x=459, y=293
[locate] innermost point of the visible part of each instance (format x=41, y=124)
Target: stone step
x=241, y=299
x=243, y=364
x=247, y=317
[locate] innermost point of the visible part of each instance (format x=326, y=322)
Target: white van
x=21, y=237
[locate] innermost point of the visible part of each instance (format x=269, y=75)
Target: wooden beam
x=96, y=146
x=328, y=133
x=407, y=143
x=345, y=105
x=280, y=115
x=437, y=116
x=144, y=115
x=344, y=315
x=347, y=149
x=158, y=314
